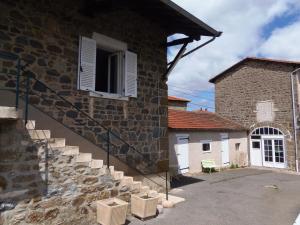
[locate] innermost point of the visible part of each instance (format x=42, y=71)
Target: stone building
x=96, y=73
x=257, y=93
x=177, y=103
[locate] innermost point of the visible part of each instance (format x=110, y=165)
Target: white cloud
x=283, y=43
x=242, y=23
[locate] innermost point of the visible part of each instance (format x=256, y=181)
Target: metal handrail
x=22, y=94
x=109, y=132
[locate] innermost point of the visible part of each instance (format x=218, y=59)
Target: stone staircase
x=59, y=144
x=71, y=182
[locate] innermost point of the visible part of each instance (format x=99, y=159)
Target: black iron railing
x=34, y=87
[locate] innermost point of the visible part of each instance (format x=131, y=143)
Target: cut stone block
x=111, y=211
x=39, y=134
x=136, y=185
x=126, y=181
x=111, y=169
x=153, y=193
x=96, y=164
x=118, y=175
x=145, y=189
x=143, y=206
x=56, y=142
x=84, y=157
x=70, y=150
x=9, y=113
x=30, y=124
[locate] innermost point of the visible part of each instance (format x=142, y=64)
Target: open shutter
x=130, y=74
x=87, y=64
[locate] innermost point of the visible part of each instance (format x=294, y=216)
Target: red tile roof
x=174, y=98
x=213, y=80
x=200, y=120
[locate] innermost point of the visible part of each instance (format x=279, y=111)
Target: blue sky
x=262, y=28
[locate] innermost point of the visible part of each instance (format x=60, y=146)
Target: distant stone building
x=177, y=103
x=257, y=93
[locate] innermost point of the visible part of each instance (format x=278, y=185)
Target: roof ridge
x=244, y=60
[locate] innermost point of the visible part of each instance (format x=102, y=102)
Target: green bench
x=209, y=164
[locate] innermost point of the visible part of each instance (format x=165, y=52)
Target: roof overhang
x=166, y=13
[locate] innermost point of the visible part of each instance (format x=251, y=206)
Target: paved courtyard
x=235, y=197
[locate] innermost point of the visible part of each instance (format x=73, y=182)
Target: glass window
x=255, y=144
x=237, y=146
x=206, y=146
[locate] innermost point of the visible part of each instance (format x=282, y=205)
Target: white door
x=273, y=153
x=255, y=153
x=183, y=154
x=225, y=149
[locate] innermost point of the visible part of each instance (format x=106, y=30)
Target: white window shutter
x=130, y=74
x=87, y=64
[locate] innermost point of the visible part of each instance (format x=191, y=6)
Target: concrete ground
x=235, y=197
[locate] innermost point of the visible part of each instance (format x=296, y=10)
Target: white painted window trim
x=109, y=44
x=206, y=142
x=99, y=94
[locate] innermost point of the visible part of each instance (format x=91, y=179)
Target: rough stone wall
x=40, y=185
x=46, y=34
x=19, y=168
x=238, y=92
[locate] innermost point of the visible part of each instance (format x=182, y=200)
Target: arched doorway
x=267, y=148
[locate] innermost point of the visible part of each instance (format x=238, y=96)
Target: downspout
x=295, y=119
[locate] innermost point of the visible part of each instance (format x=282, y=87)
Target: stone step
x=56, y=142
x=152, y=193
x=84, y=157
x=145, y=189
x=118, y=175
x=39, y=134
x=111, y=169
x=126, y=181
x=96, y=163
x=30, y=124
x=9, y=113
x=70, y=150
x=136, y=185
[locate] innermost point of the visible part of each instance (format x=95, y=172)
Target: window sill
x=108, y=96
x=204, y=152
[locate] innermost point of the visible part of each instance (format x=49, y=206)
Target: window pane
x=255, y=144
x=206, y=147
x=114, y=74
x=261, y=130
x=266, y=130
x=102, y=70
x=271, y=131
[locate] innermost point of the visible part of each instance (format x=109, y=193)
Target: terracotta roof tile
x=200, y=120
x=174, y=98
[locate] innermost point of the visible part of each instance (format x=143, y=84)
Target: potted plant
x=111, y=211
x=144, y=205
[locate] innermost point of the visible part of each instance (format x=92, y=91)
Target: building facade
x=257, y=93
x=200, y=135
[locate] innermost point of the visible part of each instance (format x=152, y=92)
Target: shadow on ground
x=181, y=180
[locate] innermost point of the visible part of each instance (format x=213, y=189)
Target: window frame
x=118, y=48
x=206, y=142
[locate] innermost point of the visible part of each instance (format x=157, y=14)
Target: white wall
x=196, y=154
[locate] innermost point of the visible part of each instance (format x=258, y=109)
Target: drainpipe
x=294, y=118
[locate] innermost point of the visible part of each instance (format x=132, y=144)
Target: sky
x=260, y=28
